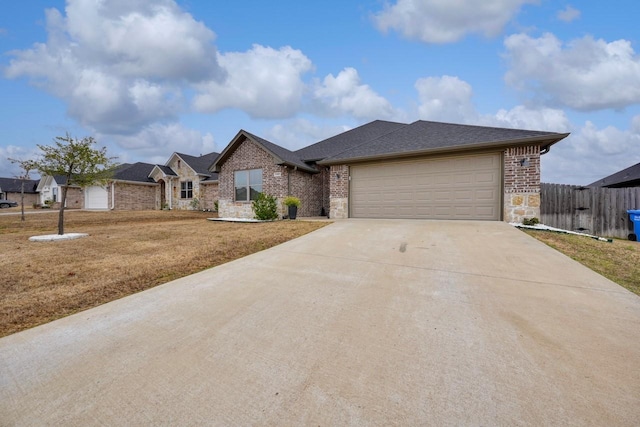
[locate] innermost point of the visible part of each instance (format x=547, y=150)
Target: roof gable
x=199, y=164
x=629, y=177
x=280, y=154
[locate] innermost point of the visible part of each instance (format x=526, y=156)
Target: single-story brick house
x=184, y=182
x=11, y=189
x=629, y=177
x=385, y=169
x=50, y=189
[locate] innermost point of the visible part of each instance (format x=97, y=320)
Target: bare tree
x=27, y=166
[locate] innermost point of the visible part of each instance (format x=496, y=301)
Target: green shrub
x=195, y=204
x=265, y=207
x=532, y=221
x=291, y=201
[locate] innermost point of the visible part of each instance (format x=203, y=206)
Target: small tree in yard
x=27, y=166
x=78, y=161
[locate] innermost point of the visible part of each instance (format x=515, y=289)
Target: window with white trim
x=248, y=184
x=186, y=190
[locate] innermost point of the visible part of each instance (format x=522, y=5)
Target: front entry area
x=455, y=187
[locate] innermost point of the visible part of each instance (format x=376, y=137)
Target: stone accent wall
x=208, y=195
x=339, y=191
x=521, y=183
x=185, y=173
x=134, y=197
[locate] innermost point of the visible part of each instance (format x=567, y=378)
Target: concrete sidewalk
x=364, y=322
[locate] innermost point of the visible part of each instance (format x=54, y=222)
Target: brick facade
x=278, y=181
x=521, y=183
x=134, y=196
x=29, y=198
x=75, y=198
x=209, y=195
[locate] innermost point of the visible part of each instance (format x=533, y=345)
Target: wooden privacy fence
x=600, y=211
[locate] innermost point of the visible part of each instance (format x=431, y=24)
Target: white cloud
x=442, y=21
x=345, y=94
x=12, y=170
x=568, y=14
x=156, y=142
x=299, y=133
x=521, y=117
x=264, y=82
x=591, y=153
x=446, y=99
x=586, y=74
x=119, y=65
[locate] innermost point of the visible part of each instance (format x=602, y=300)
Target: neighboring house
x=185, y=178
x=384, y=169
x=50, y=189
x=184, y=182
x=629, y=177
x=11, y=189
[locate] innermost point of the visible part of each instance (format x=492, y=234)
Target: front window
x=186, y=190
x=248, y=184
x=55, y=194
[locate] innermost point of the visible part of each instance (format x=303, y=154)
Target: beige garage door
x=461, y=187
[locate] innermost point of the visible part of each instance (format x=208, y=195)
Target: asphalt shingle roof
x=200, y=164
x=425, y=136
x=629, y=177
x=137, y=172
x=347, y=140
x=14, y=185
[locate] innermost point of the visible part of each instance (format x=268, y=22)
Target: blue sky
x=150, y=78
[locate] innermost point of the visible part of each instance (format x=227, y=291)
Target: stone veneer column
x=521, y=183
x=339, y=192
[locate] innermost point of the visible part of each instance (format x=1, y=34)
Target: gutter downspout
x=113, y=195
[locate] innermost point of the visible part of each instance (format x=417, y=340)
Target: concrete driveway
x=364, y=322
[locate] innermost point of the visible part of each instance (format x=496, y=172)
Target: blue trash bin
x=634, y=216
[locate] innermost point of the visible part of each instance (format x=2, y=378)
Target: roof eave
x=126, y=181
x=544, y=141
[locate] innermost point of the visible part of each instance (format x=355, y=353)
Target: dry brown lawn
x=618, y=261
x=125, y=252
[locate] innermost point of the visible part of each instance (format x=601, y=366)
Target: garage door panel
x=466, y=187
x=96, y=197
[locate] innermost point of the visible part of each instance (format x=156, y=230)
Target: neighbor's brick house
x=385, y=169
x=12, y=189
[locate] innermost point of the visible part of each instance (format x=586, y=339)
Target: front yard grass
x=126, y=252
x=618, y=261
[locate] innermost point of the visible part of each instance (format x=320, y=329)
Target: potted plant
x=292, y=203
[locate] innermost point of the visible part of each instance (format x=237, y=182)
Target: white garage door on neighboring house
x=96, y=197
x=460, y=187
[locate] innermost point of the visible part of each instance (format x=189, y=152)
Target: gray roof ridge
x=485, y=127
x=368, y=141
x=349, y=131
